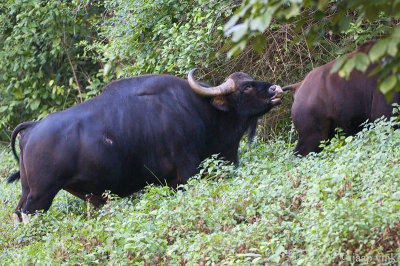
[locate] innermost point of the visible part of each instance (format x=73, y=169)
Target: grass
x=337, y=207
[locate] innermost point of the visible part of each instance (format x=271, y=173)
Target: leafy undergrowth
x=337, y=207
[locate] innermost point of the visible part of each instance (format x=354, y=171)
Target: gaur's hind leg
x=45, y=174
x=17, y=218
x=43, y=187
x=40, y=198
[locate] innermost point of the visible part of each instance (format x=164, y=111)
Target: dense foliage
x=44, y=66
x=167, y=36
x=255, y=16
x=340, y=206
x=55, y=54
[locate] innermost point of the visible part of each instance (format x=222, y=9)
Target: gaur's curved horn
x=225, y=88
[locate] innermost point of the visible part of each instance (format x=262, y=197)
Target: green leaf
x=107, y=68
x=392, y=48
x=388, y=84
x=347, y=68
x=338, y=64
x=375, y=70
x=260, y=23
x=248, y=255
x=18, y=93
x=232, y=21
x=35, y=104
x=236, y=49
x=361, y=61
x=389, y=95
x=344, y=24
x=378, y=50
x=239, y=31
x=322, y=4
x=348, y=139
x=259, y=43
x=292, y=11
x=370, y=13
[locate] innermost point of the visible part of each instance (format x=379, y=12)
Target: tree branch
x=72, y=67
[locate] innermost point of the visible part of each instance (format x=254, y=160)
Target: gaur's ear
x=220, y=103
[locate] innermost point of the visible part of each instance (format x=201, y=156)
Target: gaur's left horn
x=225, y=88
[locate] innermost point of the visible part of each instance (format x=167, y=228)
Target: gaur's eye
x=247, y=89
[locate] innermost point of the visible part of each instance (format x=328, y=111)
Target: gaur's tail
x=14, y=134
x=292, y=86
x=13, y=177
x=17, y=129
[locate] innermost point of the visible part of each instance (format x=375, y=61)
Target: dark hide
x=141, y=130
x=324, y=101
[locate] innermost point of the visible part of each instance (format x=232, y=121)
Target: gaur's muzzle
x=277, y=91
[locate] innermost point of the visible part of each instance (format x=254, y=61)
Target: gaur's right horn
x=225, y=88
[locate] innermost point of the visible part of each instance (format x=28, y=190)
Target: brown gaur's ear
x=220, y=103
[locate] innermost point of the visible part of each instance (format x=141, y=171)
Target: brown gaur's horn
x=292, y=86
x=225, y=88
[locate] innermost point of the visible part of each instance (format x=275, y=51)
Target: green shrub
x=43, y=62
x=336, y=207
x=167, y=36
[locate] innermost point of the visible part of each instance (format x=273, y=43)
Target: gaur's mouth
x=278, y=95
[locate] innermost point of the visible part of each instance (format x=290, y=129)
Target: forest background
x=56, y=54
